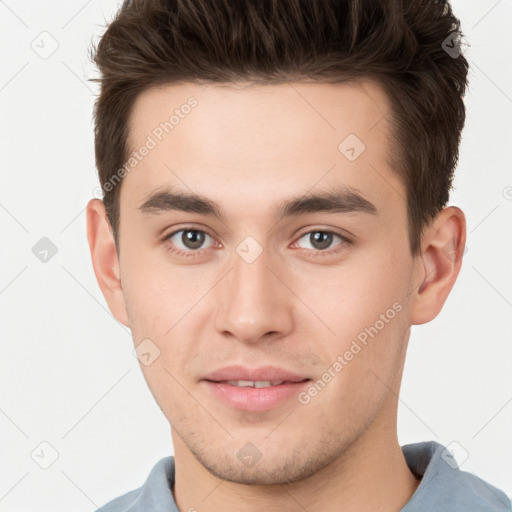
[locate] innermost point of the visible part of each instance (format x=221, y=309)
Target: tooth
x=245, y=383
x=235, y=382
x=254, y=384
x=262, y=384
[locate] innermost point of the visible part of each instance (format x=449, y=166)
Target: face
x=272, y=302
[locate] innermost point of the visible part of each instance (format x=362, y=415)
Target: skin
x=249, y=149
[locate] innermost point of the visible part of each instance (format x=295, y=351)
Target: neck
x=371, y=475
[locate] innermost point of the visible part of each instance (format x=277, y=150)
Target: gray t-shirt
x=443, y=487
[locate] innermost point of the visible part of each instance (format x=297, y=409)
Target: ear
x=438, y=263
x=105, y=260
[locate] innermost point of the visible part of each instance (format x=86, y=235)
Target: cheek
x=159, y=294
x=352, y=297
x=365, y=306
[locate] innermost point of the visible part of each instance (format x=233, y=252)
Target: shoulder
x=444, y=487
x=155, y=494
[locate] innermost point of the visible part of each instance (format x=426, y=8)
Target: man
x=276, y=176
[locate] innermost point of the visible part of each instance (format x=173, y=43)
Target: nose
x=253, y=301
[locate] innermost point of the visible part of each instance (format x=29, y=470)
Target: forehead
x=291, y=110
x=217, y=138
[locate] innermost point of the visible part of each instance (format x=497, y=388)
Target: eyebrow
x=343, y=200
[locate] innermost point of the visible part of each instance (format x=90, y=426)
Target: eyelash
x=326, y=252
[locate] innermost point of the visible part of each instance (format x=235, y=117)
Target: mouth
x=255, y=383
x=256, y=390
x=264, y=376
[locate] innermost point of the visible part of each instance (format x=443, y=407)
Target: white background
x=68, y=374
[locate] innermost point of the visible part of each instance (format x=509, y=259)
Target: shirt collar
x=444, y=487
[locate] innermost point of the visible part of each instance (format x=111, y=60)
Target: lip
x=254, y=399
x=237, y=372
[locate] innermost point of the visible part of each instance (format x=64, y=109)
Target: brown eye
x=189, y=239
x=320, y=240
x=192, y=239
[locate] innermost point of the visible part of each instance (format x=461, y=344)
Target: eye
x=191, y=242
x=188, y=240
x=320, y=240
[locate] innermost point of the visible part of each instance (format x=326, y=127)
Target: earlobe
x=438, y=263
x=105, y=260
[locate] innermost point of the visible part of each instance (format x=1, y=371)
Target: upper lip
x=264, y=373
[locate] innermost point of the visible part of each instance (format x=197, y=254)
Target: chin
x=266, y=469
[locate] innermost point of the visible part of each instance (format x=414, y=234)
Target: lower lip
x=255, y=399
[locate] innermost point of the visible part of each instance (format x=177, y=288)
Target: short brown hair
x=403, y=44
